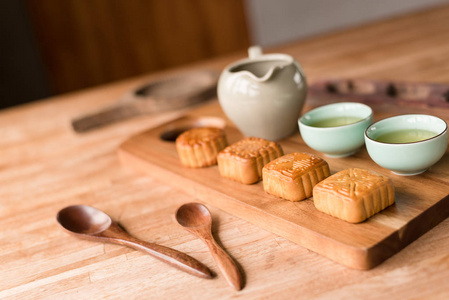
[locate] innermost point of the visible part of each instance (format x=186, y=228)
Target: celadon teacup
x=337, y=129
x=407, y=144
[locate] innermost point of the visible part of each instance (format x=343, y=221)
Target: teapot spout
x=267, y=76
x=256, y=53
x=261, y=68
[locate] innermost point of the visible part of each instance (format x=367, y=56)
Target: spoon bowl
x=89, y=223
x=193, y=215
x=196, y=218
x=83, y=219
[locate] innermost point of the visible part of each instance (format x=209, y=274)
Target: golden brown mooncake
x=353, y=194
x=293, y=176
x=243, y=161
x=199, y=147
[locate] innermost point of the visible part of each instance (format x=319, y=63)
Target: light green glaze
x=337, y=141
x=407, y=158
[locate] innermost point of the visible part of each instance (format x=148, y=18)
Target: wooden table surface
x=45, y=166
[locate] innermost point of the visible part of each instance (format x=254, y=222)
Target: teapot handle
x=255, y=52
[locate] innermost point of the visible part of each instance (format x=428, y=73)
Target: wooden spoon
x=196, y=219
x=169, y=93
x=90, y=223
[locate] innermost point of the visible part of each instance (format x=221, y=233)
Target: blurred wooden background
x=86, y=43
x=51, y=47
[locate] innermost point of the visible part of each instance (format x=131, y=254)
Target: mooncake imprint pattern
x=293, y=176
x=199, y=147
x=243, y=161
x=354, y=194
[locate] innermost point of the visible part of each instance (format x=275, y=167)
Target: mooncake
x=199, y=147
x=243, y=161
x=353, y=194
x=293, y=176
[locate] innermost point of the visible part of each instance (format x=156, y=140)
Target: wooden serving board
x=422, y=201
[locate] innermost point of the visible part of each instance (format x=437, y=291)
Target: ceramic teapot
x=264, y=94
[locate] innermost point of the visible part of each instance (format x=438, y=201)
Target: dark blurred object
x=381, y=91
x=22, y=75
x=86, y=43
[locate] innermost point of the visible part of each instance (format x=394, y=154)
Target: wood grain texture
x=45, y=166
x=86, y=43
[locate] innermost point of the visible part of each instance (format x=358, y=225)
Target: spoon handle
x=105, y=117
x=225, y=263
x=170, y=256
x=173, y=257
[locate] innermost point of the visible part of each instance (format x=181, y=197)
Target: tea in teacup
x=405, y=136
x=335, y=122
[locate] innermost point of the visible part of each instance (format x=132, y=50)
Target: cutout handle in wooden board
x=168, y=93
x=422, y=201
